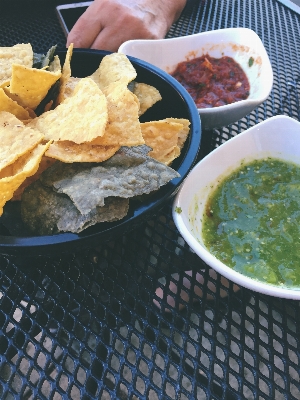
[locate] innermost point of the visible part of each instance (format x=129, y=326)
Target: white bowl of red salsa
x=239, y=208
x=227, y=72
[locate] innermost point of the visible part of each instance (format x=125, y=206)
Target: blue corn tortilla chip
x=128, y=156
x=46, y=212
x=125, y=156
x=72, y=197
x=89, y=185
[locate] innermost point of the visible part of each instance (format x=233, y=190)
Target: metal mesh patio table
x=84, y=326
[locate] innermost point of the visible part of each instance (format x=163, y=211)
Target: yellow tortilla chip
x=15, y=174
x=123, y=127
x=147, y=96
x=15, y=98
x=55, y=65
x=114, y=67
x=19, y=54
x=31, y=113
x=11, y=106
x=80, y=118
x=162, y=137
x=31, y=85
x=70, y=152
x=4, y=84
x=183, y=133
x=10, y=95
x=48, y=106
x=65, y=76
x=45, y=163
x=70, y=87
x=16, y=139
x=170, y=157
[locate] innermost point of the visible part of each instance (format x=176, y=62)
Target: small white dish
x=239, y=43
x=277, y=137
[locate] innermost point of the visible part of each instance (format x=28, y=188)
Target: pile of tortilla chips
x=73, y=149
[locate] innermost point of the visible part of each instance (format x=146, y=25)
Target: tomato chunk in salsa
x=213, y=82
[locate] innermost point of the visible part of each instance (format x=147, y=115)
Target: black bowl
x=177, y=103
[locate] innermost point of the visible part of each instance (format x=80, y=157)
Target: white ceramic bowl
x=238, y=43
x=276, y=137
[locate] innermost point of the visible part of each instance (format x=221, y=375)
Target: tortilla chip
x=10, y=95
x=31, y=85
x=147, y=96
x=123, y=128
x=4, y=84
x=80, y=118
x=70, y=152
x=65, y=76
x=16, y=139
x=55, y=65
x=43, y=61
x=19, y=54
x=49, y=100
x=89, y=185
x=127, y=157
x=48, y=106
x=31, y=113
x=183, y=133
x=11, y=106
x=15, y=174
x=45, y=163
x=70, y=87
x=162, y=137
x=15, y=98
x=46, y=212
x=114, y=67
x=170, y=157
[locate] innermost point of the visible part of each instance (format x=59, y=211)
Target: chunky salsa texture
x=213, y=82
x=252, y=221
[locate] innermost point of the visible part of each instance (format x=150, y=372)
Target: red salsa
x=213, y=82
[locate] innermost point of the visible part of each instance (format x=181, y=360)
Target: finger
x=109, y=39
x=86, y=29
x=120, y=30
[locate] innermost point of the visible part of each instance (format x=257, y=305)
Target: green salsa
x=252, y=221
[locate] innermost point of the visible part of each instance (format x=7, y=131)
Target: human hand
x=106, y=24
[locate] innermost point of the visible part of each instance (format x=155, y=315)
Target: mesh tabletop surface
x=84, y=326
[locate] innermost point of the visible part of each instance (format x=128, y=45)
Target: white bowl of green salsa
x=239, y=208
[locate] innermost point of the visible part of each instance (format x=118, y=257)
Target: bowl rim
x=203, y=253
x=193, y=36
x=184, y=38
x=65, y=242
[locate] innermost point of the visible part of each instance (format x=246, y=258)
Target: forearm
x=178, y=6
x=172, y=10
